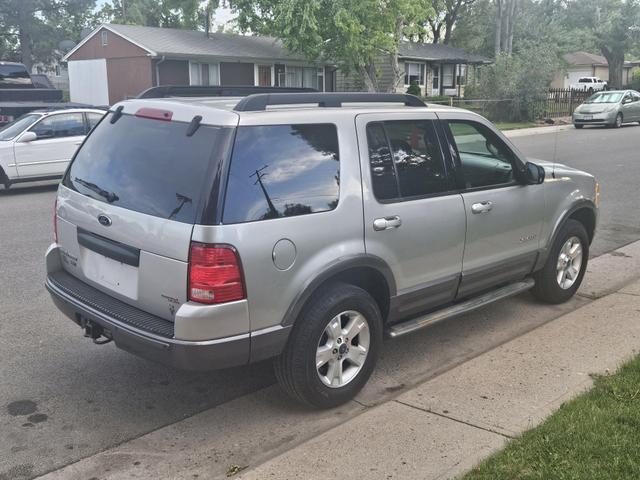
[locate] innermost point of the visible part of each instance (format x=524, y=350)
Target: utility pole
x=259, y=176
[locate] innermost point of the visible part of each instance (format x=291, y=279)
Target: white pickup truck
x=589, y=84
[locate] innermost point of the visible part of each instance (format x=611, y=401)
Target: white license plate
x=587, y=117
x=116, y=276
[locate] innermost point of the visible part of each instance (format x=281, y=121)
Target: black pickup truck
x=19, y=94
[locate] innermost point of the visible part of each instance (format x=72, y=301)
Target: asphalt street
x=63, y=398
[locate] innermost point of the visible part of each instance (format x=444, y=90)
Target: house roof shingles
x=439, y=53
x=176, y=42
x=172, y=42
x=579, y=59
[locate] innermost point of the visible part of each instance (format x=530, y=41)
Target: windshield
x=151, y=166
x=14, y=76
x=15, y=128
x=608, y=97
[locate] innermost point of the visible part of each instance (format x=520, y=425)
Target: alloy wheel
x=343, y=348
x=569, y=263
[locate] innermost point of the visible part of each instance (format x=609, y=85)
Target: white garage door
x=576, y=75
x=88, y=82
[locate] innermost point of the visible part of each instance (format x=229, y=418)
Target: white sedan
x=39, y=145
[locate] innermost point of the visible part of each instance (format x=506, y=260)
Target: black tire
x=578, y=126
x=547, y=288
x=617, y=123
x=296, y=368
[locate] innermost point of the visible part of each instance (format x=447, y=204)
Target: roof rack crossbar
x=164, y=91
x=259, y=102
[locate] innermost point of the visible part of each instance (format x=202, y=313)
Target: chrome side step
x=414, y=324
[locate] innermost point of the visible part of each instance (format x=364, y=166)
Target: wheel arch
x=584, y=212
x=368, y=272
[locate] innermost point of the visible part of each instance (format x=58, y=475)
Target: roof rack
x=261, y=101
x=164, y=91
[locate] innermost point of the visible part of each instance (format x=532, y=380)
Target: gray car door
x=413, y=218
x=504, y=217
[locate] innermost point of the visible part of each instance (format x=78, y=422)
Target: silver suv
x=211, y=232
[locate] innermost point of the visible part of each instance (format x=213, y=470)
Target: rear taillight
x=55, y=221
x=215, y=274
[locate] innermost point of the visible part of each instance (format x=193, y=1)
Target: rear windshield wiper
x=109, y=196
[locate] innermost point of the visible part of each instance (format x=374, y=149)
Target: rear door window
x=406, y=160
x=60, y=126
x=282, y=171
x=150, y=166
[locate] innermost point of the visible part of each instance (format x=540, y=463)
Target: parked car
x=589, y=84
x=39, y=145
x=612, y=108
x=206, y=234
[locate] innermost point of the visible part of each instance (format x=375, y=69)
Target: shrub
x=635, y=80
x=414, y=89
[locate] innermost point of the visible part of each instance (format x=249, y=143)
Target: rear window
x=282, y=171
x=151, y=167
x=14, y=76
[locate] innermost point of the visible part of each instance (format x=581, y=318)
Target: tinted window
x=149, y=166
x=486, y=160
x=14, y=76
x=383, y=172
x=93, y=119
x=282, y=171
x=415, y=166
x=58, y=126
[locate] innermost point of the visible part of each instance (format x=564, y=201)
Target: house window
x=104, y=38
x=293, y=76
x=435, y=82
x=447, y=75
x=264, y=75
x=413, y=72
x=204, y=74
x=461, y=78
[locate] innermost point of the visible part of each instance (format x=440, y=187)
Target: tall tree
x=189, y=14
x=615, y=29
x=36, y=26
x=355, y=34
x=446, y=14
x=506, y=14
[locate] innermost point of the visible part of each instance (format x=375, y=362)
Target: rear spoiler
x=165, y=91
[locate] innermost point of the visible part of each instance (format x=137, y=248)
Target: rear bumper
x=202, y=355
x=152, y=337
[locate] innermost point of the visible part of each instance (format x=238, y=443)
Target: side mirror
x=533, y=174
x=28, y=137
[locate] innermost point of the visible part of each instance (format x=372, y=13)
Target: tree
x=189, y=14
x=615, y=28
x=506, y=13
x=33, y=28
x=354, y=34
x=446, y=13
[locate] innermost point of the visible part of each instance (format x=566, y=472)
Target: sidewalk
x=436, y=429
x=447, y=425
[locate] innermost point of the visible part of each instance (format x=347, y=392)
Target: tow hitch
x=94, y=332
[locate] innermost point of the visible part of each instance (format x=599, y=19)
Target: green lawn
x=595, y=436
x=514, y=125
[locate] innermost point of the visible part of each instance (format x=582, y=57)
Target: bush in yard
x=521, y=80
x=635, y=80
x=414, y=89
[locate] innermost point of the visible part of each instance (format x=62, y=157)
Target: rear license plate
x=116, y=276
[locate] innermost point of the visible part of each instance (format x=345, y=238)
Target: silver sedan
x=612, y=108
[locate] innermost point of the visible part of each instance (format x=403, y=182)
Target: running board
x=414, y=324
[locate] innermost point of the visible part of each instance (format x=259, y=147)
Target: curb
x=523, y=132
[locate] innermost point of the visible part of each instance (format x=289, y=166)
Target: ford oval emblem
x=104, y=220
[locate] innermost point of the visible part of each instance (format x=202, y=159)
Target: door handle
x=78, y=143
x=387, y=223
x=482, y=207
